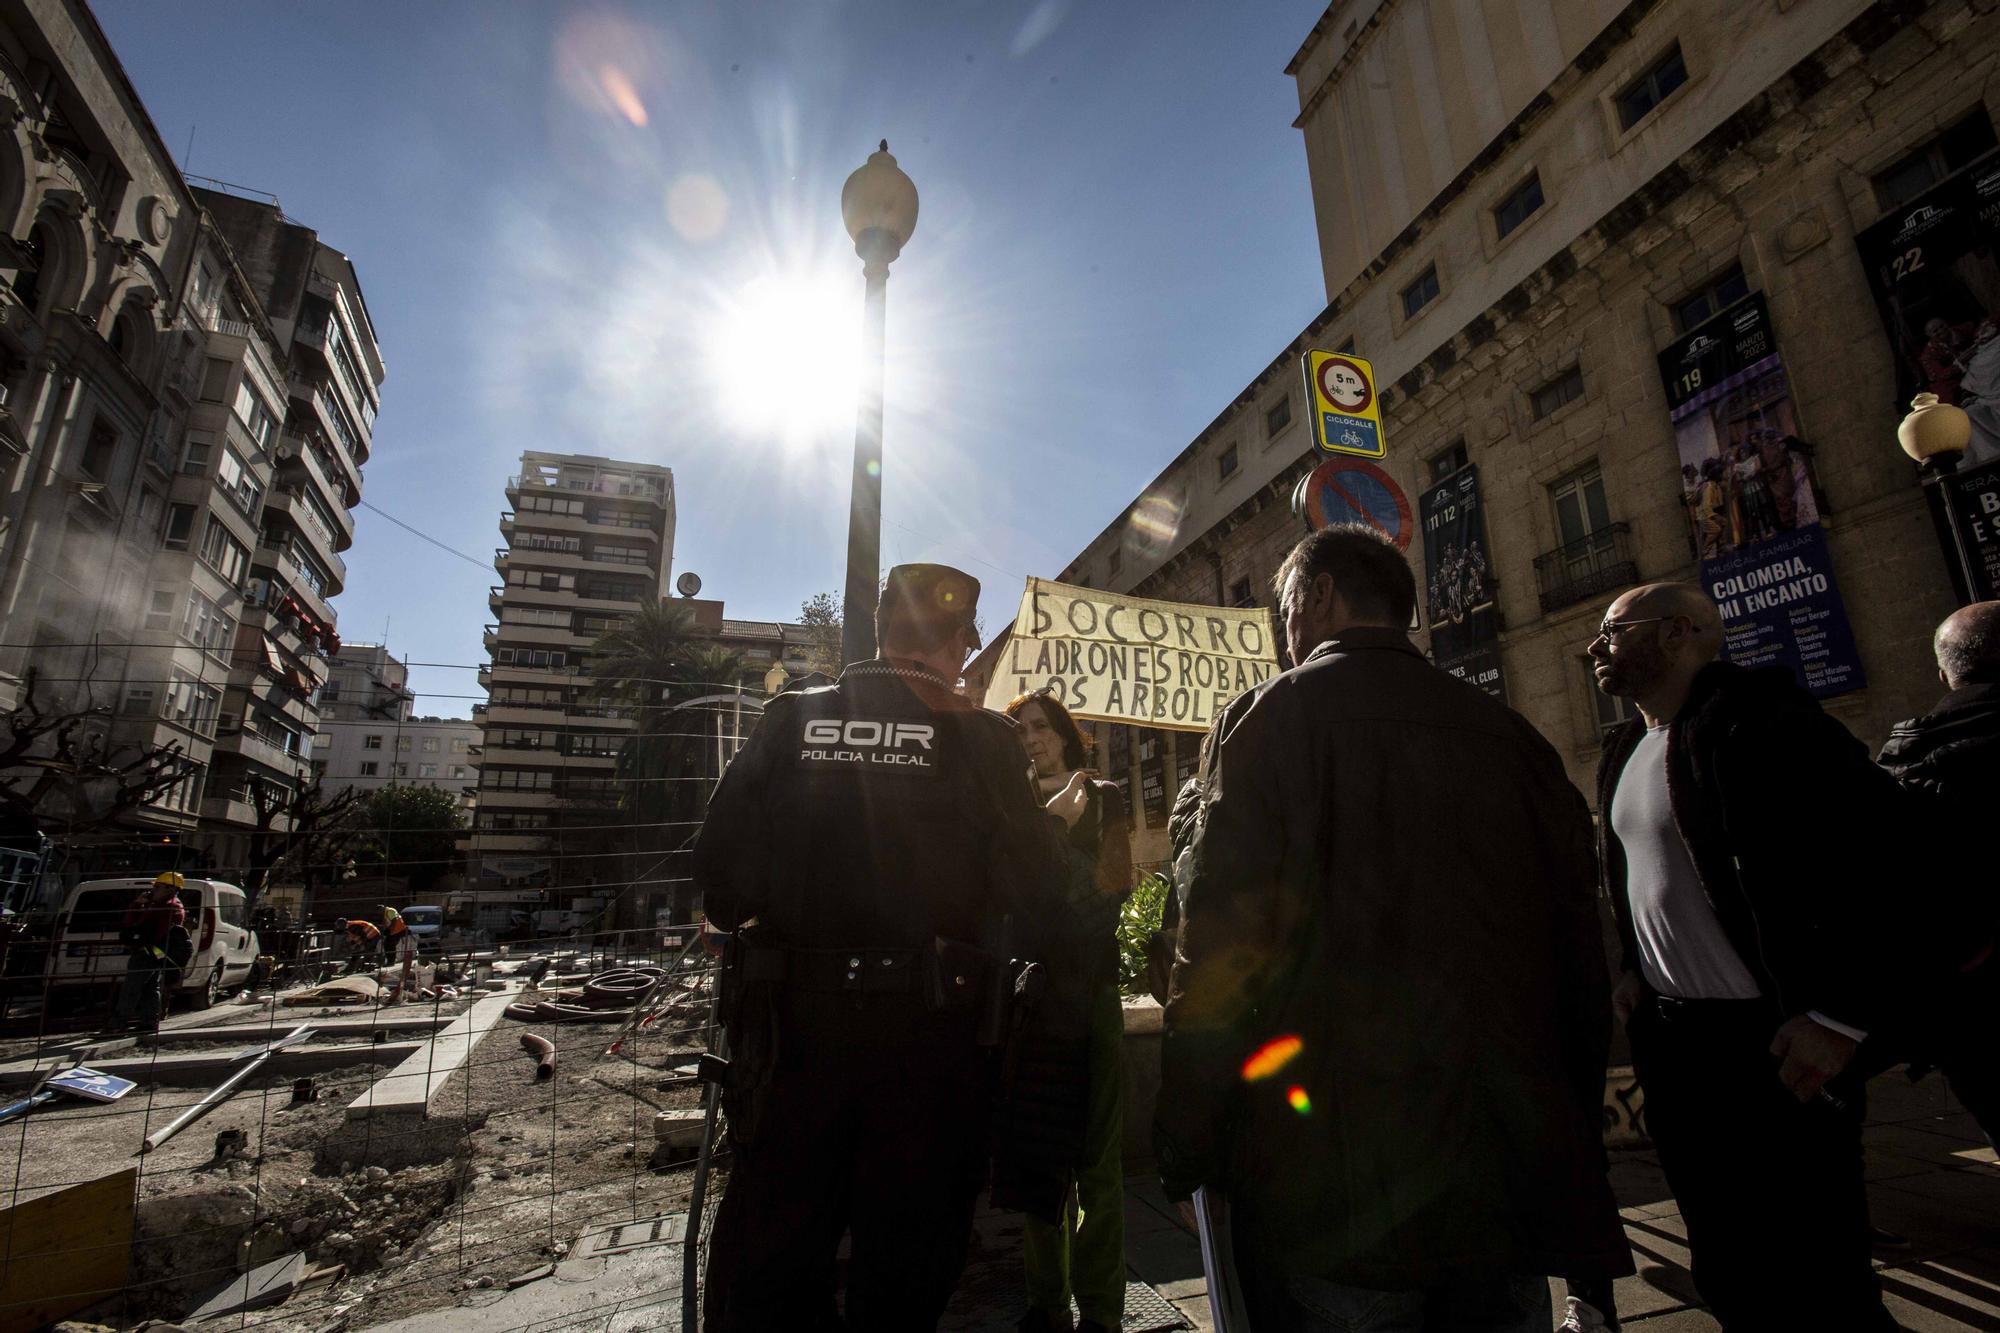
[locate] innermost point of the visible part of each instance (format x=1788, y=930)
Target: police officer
x=866, y=845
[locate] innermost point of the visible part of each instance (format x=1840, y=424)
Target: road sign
x=1346, y=417
x=1351, y=490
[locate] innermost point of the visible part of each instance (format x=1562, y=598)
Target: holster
x=746, y=1001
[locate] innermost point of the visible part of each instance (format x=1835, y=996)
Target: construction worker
x=401, y=947
x=877, y=831
x=149, y=919
x=364, y=942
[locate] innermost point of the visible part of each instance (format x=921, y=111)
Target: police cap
x=926, y=603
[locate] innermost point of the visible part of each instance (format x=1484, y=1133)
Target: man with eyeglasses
x=1744, y=840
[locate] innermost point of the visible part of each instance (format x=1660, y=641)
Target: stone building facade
x=1514, y=262
x=171, y=508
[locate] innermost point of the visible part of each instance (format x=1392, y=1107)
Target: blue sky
x=615, y=229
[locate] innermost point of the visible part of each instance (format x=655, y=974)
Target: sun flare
x=784, y=357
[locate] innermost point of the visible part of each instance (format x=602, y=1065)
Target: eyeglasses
x=1609, y=629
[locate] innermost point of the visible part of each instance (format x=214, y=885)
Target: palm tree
x=710, y=669
x=635, y=663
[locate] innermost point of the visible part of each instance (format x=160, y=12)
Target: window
x=371, y=742
x=460, y=771
x=427, y=770
x=180, y=522
x=254, y=413
x=1582, y=511
x=1225, y=464
x=191, y=704
x=370, y=768
x=1563, y=389
x=215, y=380
x=99, y=450
x=401, y=770
x=402, y=745
x=1715, y=296
x=160, y=609
x=206, y=625
x=223, y=553
x=1651, y=88
x=139, y=702
x=194, y=459
x=1278, y=417
x=1517, y=207
x=1421, y=292
x=34, y=257
x=1962, y=144
x=619, y=555
x=1448, y=460
x=1240, y=593
x=458, y=745
x=236, y=482
x=518, y=779
x=1346, y=348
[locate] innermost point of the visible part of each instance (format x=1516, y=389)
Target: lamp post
x=1935, y=434
x=879, y=206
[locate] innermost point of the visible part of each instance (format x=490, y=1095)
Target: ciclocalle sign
x=1111, y=658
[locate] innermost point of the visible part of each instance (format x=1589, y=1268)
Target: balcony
x=325, y=542
x=298, y=455
x=345, y=469
x=630, y=488
x=1596, y=563
x=230, y=808
x=519, y=715
x=250, y=745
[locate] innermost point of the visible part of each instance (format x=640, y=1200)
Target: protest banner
x=1111, y=658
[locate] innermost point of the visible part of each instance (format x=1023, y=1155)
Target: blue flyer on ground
x=81, y=1082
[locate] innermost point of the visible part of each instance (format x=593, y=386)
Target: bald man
x=1950, y=759
x=1742, y=843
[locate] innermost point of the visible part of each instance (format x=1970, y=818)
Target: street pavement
x=1931, y=1177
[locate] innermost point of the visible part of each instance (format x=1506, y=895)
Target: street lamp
x=879, y=206
x=1935, y=434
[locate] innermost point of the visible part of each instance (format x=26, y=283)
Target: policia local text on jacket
x=1394, y=874
x=877, y=832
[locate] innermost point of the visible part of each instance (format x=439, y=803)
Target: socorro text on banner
x=1110, y=658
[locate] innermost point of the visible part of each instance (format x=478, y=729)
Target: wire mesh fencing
x=376, y=1160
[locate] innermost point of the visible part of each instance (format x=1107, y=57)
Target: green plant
x=1137, y=921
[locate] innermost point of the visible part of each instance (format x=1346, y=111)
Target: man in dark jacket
x=1387, y=1030
x=1744, y=839
x=1950, y=760
x=876, y=832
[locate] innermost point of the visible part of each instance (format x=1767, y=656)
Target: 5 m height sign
x=1346, y=415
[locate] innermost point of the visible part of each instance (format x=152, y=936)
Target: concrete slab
x=261, y=1286
x=189, y=1071
x=627, y=1277
x=322, y=1027
x=407, y=1089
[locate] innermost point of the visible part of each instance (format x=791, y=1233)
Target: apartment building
x=172, y=502
x=1620, y=198
x=365, y=683
x=589, y=541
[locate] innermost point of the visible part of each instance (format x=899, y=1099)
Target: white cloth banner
x=1129, y=659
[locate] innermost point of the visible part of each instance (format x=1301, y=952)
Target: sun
x=784, y=356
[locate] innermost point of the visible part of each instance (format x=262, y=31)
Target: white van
x=86, y=950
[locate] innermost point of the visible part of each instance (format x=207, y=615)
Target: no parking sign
x=1351, y=490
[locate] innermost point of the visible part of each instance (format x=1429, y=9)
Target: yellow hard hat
x=171, y=879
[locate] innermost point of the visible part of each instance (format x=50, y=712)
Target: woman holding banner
x=1085, y=1254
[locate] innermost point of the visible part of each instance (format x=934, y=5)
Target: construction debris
x=544, y=1052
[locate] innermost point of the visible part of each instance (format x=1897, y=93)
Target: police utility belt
x=948, y=975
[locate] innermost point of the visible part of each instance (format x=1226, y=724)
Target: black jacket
x=881, y=812
x=1794, y=834
x=1393, y=870
x=1953, y=751
x=1949, y=760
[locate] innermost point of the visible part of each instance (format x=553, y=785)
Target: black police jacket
x=884, y=811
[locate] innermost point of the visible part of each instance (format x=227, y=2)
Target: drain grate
x=665, y=1229
x=1146, y=1311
